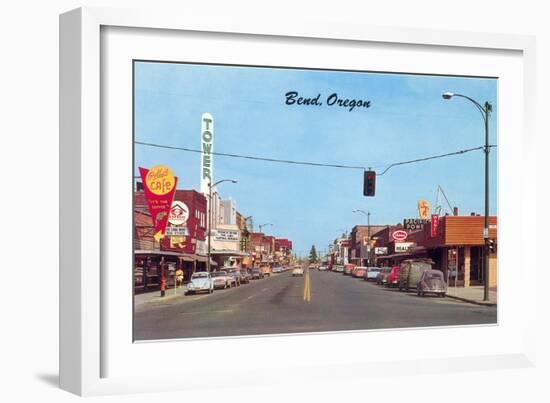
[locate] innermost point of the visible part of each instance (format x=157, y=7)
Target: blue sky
x=408, y=119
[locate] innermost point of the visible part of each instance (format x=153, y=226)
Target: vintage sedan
x=348, y=267
x=382, y=276
x=431, y=281
x=298, y=271
x=392, y=278
x=359, y=272
x=257, y=273
x=200, y=281
x=222, y=279
x=371, y=273
x=235, y=273
x=245, y=276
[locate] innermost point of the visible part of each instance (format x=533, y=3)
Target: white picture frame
x=84, y=308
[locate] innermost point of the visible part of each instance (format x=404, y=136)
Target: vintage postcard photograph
x=278, y=200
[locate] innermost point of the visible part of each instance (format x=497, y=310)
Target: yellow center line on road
x=307, y=287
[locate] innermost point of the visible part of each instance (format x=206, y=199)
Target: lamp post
x=210, y=186
x=368, y=235
x=485, y=110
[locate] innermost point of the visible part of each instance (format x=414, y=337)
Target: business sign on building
x=201, y=247
x=381, y=250
x=414, y=224
x=159, y=186
x=399, y=235
x=177, y=231
x=179, y=213
x=434, y=225
x=225, y=235
x=403, y=246
x=423, y=209
x=207, y=148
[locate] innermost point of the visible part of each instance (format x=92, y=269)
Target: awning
x=204, y=259
x=188, y=258
x=156, y=252
x=229, y=253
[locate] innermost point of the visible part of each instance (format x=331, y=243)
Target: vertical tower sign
x=207, y=147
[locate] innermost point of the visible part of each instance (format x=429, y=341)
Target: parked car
x=410, y=272
x=359, y=272
x=339, y=268
x=323, y=267
x=256, y=273
x=235, y=273
x=221, y=279
x=431, y=281
x=246, y=276
x=277, y=269
x=392, y=277
x=382, y=275
x=348, y=267
x=371, y=273
x=298, y=271
x=200, y=281
x=266, y=270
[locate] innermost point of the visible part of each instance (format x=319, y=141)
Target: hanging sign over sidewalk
x=159, y=185
x=434, y=225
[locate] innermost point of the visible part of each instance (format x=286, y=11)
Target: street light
x=210, y=186
x=485, y=110
x=368, y=236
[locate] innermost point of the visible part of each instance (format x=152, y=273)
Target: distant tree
x=313, y=254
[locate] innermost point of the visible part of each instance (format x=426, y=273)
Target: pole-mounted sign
x=159, y=185
x=207, y=148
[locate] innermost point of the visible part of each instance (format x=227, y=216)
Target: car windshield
x=199, y=275
x=433, y=276
x=219, y=274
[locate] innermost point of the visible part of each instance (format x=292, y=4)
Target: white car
x=372, y=273
x=200, y=281
x=222, y=279
x=277, y=269
x=323, y=268
x=339, y=269
x=297, y=271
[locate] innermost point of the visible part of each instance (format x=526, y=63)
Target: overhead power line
x=432, y=158
x=318, y=164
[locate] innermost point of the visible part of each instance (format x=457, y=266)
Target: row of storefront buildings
x=454, y=243
x=233, y=240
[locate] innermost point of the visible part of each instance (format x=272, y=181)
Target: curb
x=471, y=301
x=158, y=298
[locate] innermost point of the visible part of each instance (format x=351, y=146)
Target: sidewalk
x=473, y=294
x=154, y=296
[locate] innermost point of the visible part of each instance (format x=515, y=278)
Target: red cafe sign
x=399, y=235
x=159, y=185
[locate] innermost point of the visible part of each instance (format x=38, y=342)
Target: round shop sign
x=179, y=213
x=399, y=235
x=160, y=180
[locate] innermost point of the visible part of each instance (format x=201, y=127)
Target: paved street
x=276, y=305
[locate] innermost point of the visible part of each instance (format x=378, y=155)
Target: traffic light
x=369, y=182
x=492, y=246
